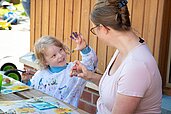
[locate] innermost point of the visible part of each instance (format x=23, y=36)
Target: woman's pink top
x=137, y=76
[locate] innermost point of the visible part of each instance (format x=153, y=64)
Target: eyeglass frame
x=91, y=30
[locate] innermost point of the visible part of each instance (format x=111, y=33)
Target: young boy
x=54, y=76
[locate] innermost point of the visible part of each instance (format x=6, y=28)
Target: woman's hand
x=81, y=71
x=78, y=38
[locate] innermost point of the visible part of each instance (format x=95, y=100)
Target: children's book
x=38, y=105
x=12, y=85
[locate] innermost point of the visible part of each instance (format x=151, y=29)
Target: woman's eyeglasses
x=92, y=29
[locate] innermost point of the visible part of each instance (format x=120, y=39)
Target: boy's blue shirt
x=57, y=69
x=86, y=50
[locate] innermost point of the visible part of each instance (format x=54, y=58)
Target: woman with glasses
x=132, y=82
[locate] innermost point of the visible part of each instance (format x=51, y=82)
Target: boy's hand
x=78, y=38
x=26, y=76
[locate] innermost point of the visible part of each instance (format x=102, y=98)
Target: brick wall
x=88, y=99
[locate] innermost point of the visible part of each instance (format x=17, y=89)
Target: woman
x=132, y=82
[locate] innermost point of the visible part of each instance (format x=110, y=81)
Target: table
x=31, y=93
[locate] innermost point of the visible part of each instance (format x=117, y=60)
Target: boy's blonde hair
x=40, y=47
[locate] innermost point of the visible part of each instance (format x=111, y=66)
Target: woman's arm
x=89, y=58
x=95, y=78
x=125, y=104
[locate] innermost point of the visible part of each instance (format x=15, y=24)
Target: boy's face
x=55, y=56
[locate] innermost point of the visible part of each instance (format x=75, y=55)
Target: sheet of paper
x=39, y=105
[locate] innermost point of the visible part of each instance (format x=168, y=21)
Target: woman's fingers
x=79, y=70
x=81, y=66
x=82, y=70
x=76, y=69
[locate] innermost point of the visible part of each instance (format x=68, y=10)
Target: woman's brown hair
x=112, y=13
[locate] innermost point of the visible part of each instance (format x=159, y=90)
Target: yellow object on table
x=4, y=24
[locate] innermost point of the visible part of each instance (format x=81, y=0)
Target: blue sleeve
x=86, y=50
x=27, y=83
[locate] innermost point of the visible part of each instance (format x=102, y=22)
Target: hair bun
x=112, y=1
x=118, y=3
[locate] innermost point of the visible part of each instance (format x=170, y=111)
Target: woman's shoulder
x=141, y=53
x=140, y=63
x=142, y=57
x=134, y=64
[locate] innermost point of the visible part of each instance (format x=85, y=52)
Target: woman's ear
x=105, y=29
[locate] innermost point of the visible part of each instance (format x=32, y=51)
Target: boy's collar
x=57, y=68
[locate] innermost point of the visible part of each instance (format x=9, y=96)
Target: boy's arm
x=89, y=58
x=25, y=77
x=26, y=82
